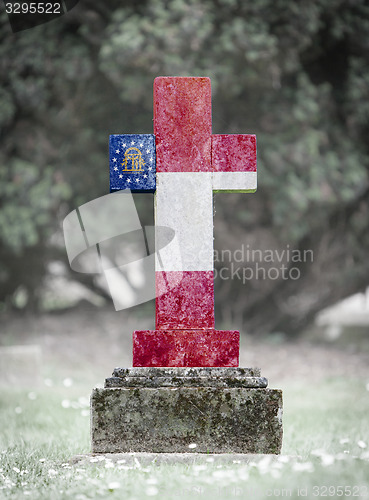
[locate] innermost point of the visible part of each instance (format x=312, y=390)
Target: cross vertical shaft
x=182, y=128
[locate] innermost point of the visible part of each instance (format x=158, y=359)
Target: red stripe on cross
x=234, y=153
x=189, y=302
x=182, y=124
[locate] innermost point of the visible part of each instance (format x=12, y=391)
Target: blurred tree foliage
x=294, y=73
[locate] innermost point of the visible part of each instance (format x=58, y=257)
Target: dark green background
x=295, y=73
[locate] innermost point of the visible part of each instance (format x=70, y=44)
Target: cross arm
x=234, y=163
x=132, y=162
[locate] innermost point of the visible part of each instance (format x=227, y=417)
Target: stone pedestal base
x=170, y=410
x=184, y=348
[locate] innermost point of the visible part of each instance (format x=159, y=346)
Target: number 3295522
x=33, y=8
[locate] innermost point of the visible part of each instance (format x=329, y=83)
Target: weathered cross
x=191, y=163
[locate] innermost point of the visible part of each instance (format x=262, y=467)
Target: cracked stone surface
x=169, y=419
x=174, y=371
x=186, y=377
x=253, y=382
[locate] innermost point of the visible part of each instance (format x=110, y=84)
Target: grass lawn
x=325, y=451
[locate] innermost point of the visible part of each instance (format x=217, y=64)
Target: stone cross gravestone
x=185, y=387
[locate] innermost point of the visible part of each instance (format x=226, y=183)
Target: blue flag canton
x=132, y=162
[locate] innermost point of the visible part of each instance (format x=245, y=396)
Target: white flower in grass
x=277, y=465
x=318, y=453
x=192, y=446
x=275, y=473
x=243, y=474
x=42, y=460
x=94, y=459
x=8, y=483
x=225, y=475
x=341, y=456
x=52, y=472
x=199, y=467
x=264, y=464
x=152, y=491
x=303, y=467
x=84, y=402
x=65, y=403
x=327, y=460
x=218, y=473
x=114, y=485
x=361, y=444
x=68, y=382
x=344, y=440
x=109, y=465
x=15, y=469
x=124, y=467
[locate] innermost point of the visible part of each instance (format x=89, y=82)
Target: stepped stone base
x=169, y=410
